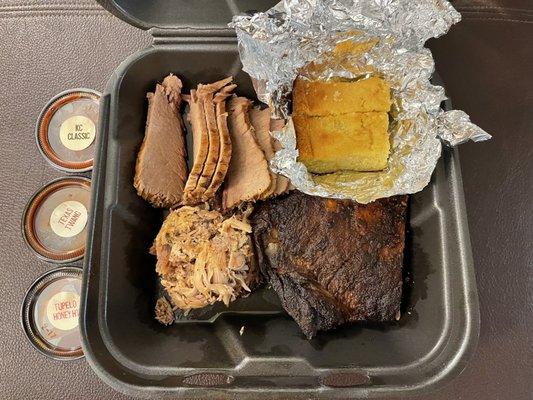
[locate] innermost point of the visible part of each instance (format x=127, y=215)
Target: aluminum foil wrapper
x=277, y=45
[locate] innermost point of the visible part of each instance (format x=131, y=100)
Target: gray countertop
x=485, y=62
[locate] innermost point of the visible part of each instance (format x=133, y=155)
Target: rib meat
x=332, y=261
x=161, y=167
x=248, y=175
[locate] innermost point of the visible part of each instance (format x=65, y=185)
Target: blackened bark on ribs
x=332, y=261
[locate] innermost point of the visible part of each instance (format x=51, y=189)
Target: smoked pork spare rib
x=332, y=261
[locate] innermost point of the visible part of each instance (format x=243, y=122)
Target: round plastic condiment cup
x=54, y=223
x=67, y=128
x=50, y=313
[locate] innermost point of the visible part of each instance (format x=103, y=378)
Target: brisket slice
x=207, y=94
x=248, y=175
x=332, y=261
x=161, y=167
x=260, y=120
x=214, y=143
x=224, y=155
x=200, y=145
x=208, y=137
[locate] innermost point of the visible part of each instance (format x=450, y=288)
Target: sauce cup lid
x=50, y=313
x=67, y=129
x=54, y=223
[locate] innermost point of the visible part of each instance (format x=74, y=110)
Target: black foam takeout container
x=209, y=357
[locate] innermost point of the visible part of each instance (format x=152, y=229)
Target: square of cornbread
x=333, y=97
x=342, y=124
x=354, y=141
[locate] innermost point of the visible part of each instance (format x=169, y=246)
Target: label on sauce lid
x=69, y=218
x=62, y=310
x=77, y=132
x=50, y=313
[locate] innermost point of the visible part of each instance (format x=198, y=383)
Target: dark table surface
x=486, y=62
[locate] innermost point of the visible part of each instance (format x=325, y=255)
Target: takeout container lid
x=54, y=222
x=49, y=313
x=205, y=17
x=67, y=111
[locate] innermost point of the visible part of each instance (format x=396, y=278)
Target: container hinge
x=192, y=35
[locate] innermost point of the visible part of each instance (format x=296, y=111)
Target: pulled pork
x=204, y=257
x=163, y=312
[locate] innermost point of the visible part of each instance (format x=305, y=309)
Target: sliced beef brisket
x=224, y=155
x=206, y=139
x=161, y=167
x=248, y=175
x=260, y=120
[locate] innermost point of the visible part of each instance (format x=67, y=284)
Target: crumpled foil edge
x=276, y=44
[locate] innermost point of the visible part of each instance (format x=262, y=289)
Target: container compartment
x=136, y=355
